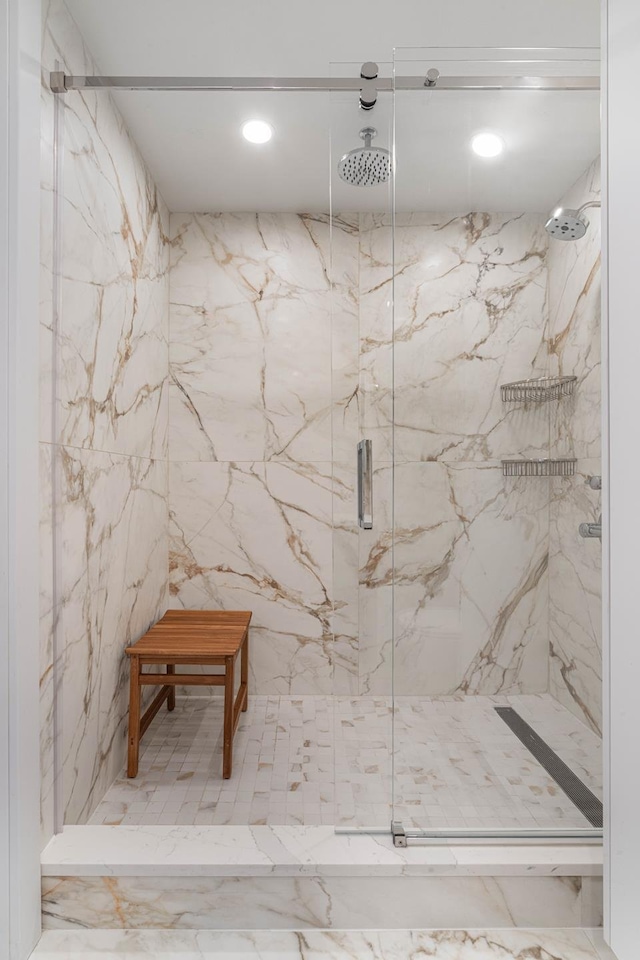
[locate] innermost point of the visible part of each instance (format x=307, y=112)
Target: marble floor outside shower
x=557, y=944
x=321, y=760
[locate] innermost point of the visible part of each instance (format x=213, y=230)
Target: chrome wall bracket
x=369, y=90
x=57, y=80
x=398, y=833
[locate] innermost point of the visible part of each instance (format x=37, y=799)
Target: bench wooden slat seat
x=202, y=637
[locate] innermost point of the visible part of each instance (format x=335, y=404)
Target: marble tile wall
x=103, y=439
x=469, y=548
x=253, y=398
x=575, y=599
x=270, y=334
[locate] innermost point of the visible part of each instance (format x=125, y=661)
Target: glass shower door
x=362, y=403
x=495, y=607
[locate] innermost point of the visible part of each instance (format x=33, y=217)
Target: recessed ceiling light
x=487, y=144
x=256, y=131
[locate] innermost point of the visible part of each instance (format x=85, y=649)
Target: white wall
x=622, y=509
x=19, y=152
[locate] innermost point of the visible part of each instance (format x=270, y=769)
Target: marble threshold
x=297, y=851
x=554, y=944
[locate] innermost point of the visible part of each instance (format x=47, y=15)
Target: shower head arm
x=367, y=134
x=587, y=205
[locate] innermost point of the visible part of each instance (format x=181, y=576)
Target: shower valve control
x=591, y=531
x=594, y=482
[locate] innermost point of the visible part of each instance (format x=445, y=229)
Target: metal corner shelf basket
x=538, y=389
x=566, y=467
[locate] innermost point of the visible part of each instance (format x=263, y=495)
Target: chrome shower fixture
x=567, y=224
x=591, y=531
x=369, y=89
x=366, y=166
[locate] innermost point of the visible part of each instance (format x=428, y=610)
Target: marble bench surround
x=308, y=877
x=312, y=902
x=324, y=944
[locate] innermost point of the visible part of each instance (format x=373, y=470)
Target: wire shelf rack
x=538, y=389
x=539, y=468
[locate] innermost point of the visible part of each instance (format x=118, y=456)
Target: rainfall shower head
x=366, y=166
x=567, y=224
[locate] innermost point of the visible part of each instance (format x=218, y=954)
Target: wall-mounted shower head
x=366, y=166
x=567, y=224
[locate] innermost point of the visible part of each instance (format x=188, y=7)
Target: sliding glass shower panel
x=496, y=641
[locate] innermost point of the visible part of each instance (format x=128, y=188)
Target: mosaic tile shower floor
x=321, y=760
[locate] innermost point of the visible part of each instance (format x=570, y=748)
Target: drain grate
x=579, y=794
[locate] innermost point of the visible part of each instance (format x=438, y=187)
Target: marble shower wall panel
x=470, y=313
x=47, y=676
x=575, y=290
x=346, y=417
x=345, y=335
x=375, y=274
x=257, y=536
x=575, y=564
x=287, y=332
x=575, y=598
x=470, y=548
x=250, y=337
x=470, y=584
x=112, y=582
x=110, y=444
x=112, y=352
x=263, y=426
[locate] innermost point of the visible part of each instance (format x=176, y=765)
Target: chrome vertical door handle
x=365, y=485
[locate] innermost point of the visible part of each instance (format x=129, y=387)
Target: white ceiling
x=192, y=142
x=298, y=37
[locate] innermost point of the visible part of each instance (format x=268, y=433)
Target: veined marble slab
x=558, y=944
x=470, y=313
x=111, y=424
x=575, y=575
x=251, y=351
x=290, y=903
x=291, y=851
x=258, y=536
x=280, y=362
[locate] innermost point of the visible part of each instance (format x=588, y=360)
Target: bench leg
x=134, y=718
x=227, y=754
x=244, y=671
x=171, y=699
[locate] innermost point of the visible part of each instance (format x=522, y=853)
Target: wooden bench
x=203, y=637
